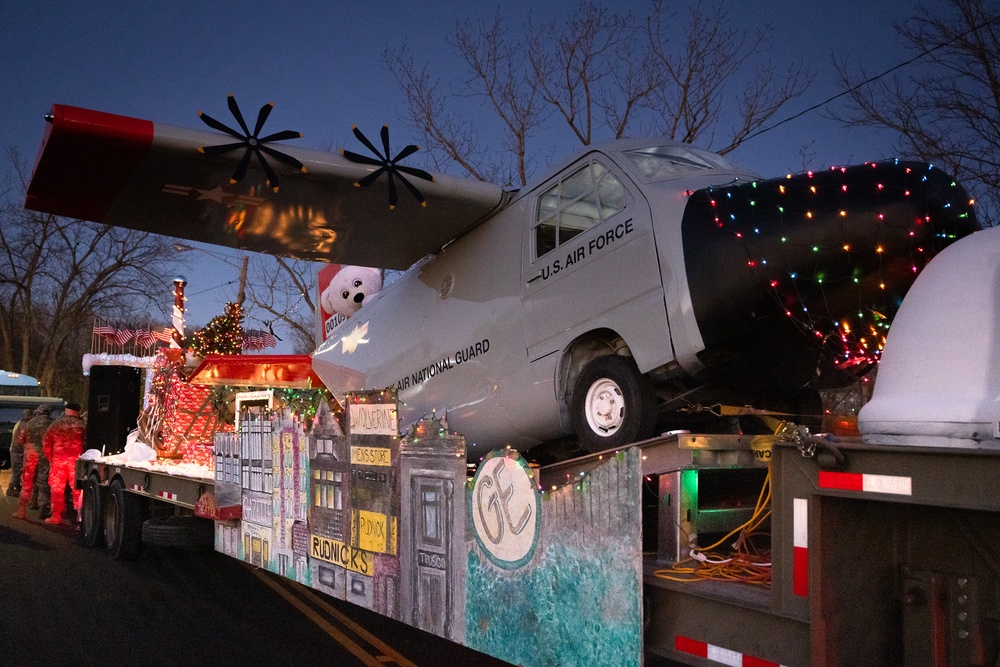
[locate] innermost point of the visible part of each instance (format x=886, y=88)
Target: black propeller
x=252, y=143
x=389, y=166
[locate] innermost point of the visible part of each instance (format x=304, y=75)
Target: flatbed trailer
x=880, y=555
x=125, y=506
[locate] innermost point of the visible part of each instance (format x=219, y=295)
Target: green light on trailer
x=689, y=487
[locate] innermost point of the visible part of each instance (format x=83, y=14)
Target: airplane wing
x=148, y=176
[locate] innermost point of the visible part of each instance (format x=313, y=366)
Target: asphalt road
x=62, y=603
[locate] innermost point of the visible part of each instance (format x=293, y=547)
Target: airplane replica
x=638, y=279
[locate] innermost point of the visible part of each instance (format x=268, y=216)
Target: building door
x=432, y=500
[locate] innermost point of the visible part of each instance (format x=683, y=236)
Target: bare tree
x=702, y=71
x=282, y=288
x=947, y=110
x=56, y=275
x=497, y=72
x=600, y=74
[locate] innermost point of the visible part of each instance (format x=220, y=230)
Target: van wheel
x=613, y=404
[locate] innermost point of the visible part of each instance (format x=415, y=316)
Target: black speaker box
x=113, y=406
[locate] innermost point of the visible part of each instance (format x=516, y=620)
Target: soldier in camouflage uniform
x=62, y=445
x=17, y=456
x=36, y=466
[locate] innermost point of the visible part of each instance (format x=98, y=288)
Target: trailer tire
x=187, y=532
x=91, y=517
x=123, y=514
x=613, y=404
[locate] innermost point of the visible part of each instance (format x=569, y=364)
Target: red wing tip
x=353, y=126
x=357, y=185
x=303, y=169
x=200, y=149
x=233, y=181
x=423, y=204
x=391, y=207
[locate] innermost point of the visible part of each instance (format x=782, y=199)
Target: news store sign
x=506, y=512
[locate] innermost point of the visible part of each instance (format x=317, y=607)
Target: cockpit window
x=576, y=203
x=660, y=162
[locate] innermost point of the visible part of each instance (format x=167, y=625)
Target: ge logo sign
x=505, y=510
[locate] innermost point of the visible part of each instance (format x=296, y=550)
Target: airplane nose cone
x=788, y=272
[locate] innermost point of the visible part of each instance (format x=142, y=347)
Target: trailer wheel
x=123, y=516
x=91, y=531
x=187, y=532
x=613, y=404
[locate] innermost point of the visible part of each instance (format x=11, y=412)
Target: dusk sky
x=320, y=63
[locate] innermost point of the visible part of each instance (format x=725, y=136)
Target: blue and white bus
x=19, y=392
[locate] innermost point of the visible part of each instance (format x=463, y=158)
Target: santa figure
x=63, y=444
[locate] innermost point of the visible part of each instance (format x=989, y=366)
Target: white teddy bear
x=349, y=288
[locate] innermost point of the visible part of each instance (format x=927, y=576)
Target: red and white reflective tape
x=800, y=546
x=137, y=487
x=168, y=495
x=851, y=481
x=718, y=654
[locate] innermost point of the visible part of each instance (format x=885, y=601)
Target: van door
x=590, y=262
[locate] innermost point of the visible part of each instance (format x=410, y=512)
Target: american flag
x=104, y=330
x=123, y=336
x=163, y=335
x=144, y=338
x=254, y=339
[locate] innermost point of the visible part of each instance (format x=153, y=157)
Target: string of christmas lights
x=222, y=335
x=848, y=240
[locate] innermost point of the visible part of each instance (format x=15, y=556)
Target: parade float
x=163, y=417
x=524, y=315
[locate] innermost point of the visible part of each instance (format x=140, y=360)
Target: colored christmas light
x=222, y=335
x=875, y=241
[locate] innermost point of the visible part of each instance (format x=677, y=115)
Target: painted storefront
x=392, y=524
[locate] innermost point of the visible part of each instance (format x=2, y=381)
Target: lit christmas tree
x=222, y=335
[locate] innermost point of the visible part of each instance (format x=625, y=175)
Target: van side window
x=576, y=203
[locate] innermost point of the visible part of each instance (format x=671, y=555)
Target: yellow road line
x=368, y=637
x=322, y=623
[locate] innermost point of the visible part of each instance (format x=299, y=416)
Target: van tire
x=613, y=404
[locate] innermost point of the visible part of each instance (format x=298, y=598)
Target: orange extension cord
x=745, y=564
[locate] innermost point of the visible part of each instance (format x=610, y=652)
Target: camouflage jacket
x=15, y=443
x=30, y=435
x=64, y=438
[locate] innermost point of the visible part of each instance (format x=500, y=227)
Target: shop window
x=338, y=490
x=431, y=505
x=328, y=489
x=582, y=200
